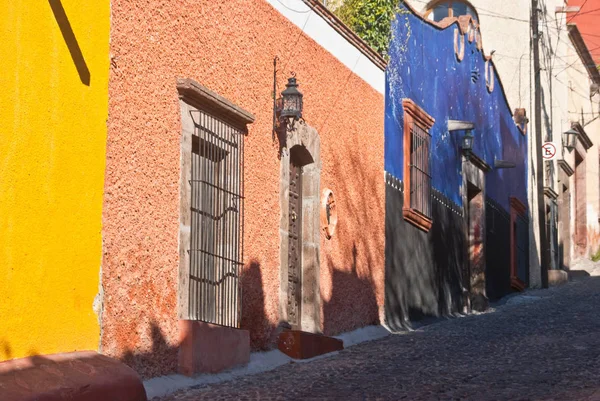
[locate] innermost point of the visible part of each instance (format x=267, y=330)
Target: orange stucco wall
x=587, y=22
x=230, y=50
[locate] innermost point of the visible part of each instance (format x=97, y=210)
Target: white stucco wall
x=315, y=27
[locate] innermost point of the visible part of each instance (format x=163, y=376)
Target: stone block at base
x=303, y=345
x=76, y=376
x=209, y=348
x=557, y=277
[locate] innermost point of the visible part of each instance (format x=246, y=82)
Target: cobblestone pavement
x=541, y=346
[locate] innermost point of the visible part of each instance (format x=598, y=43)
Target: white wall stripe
x=321, y=32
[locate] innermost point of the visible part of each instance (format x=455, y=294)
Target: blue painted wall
x=423, y=67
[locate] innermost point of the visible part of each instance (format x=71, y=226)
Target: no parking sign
x=549, y=151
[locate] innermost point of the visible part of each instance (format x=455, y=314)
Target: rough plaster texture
x=230, y=50
x=53, y=109
x=587, y=21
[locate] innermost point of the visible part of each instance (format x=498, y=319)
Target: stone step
x=302, y=345
x=75, y=376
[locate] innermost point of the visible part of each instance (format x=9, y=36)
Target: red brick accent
x=76, y=376
x=208, y=348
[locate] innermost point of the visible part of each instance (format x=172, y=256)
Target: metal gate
x=217, y=230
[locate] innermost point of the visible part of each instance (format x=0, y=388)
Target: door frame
x=306, y=137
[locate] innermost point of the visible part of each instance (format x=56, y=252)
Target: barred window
x=216, y=220
x=417, y=175
x=212, y=205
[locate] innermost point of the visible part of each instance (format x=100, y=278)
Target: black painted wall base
x=423, y=270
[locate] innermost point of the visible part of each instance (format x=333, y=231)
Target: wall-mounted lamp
x=291, y=101
x=570, y=139
x=467, y=143
x=288, y=108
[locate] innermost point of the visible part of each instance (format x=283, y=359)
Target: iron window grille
x=217, y=216
x=417, y=208
x=420, y=178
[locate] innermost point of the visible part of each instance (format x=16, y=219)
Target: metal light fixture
x=498, y=164
x=570, y=139
x=467, y=143
x=291, y=102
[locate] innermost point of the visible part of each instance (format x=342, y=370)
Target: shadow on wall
x=6, y=350
x=423, y=270
x=355, y=254
x=71, y=41
x=160, y=360
x=534, y=258
x=254, y=317
x=353, y=303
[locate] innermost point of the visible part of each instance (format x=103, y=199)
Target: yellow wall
x=52, y=159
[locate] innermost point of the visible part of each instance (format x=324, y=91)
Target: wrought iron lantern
x=570, y=139
x=291, y=102
x=467, y=143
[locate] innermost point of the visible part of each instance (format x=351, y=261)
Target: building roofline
x=346, y=33
x=583, y=52
x=584, y=139
x=462, y=22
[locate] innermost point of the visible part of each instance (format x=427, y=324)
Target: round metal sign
x=548, y=151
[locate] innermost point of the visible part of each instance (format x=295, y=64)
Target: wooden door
x=295, y=247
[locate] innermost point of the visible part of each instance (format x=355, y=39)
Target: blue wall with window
x=423, y=67
x=427, y=272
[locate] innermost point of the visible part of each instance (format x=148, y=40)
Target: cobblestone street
x=544, y=345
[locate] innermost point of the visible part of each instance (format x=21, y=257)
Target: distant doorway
x=474, y=212
x=476, y=220
x=580, y=207
x=564, y=222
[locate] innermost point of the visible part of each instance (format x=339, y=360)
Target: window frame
x=199, y=106
x=413, y=114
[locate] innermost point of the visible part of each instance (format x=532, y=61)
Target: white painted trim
x=321, y=32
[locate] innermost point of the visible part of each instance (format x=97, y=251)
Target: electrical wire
x=291, y=9
x=577, y=13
